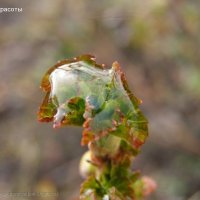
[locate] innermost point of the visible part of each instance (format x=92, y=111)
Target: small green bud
x=86, y=168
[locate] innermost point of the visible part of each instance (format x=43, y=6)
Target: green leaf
x=91, y=187
x=81, y=92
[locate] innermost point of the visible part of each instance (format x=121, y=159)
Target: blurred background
x=156, y=42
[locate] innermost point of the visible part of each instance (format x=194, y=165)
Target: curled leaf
x=81, y=92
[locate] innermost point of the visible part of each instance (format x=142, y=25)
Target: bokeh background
x=157, y=43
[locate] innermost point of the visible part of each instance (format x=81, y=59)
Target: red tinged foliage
x=83, y=93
